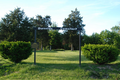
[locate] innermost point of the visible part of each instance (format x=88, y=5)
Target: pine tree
x=73, y=21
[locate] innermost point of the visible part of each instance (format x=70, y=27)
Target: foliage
x=55, y=38
x=15, y=26
x=106, y=37
x=116, y=40
x=15, y=51
x=100, y=54
x=93, y=39
x=116, y=29
x=73, y=21
x=111, y=38
x=85, y=39
x=42, y=35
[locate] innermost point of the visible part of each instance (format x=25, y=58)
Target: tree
x=85, y=40
x=16, y=26
x=116, y=29
x=106, y=37
x=116, y=40
x=73, y=21
x=111, y=38
x=95, y=39
x=0, y=32
x=55, y=38
x=42, y=35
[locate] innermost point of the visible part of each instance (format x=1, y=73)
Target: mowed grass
x=58, y=65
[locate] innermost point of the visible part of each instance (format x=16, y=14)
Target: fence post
x=79, y=47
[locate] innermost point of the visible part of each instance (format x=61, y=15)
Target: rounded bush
x=100, y=54
x=16, y=51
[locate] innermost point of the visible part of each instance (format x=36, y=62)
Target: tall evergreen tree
x=16, y=26
x=73, y=21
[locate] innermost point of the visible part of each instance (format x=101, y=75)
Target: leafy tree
x=116, y=40
x=42, y=35
x=85, y=39
x=106, y=37
x=116, y=29
x=0, y=32
x=73, y=21
x=16, y=26
x=65, y=41
x=55, y=38
x=95, y=39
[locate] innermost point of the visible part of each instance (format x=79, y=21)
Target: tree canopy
x=116, y=29
x=55, y=38
x=74, y=20
x=42, y=35
x=15, y=26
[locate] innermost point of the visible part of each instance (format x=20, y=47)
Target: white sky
x=97, y=15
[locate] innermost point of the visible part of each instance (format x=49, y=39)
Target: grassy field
x=58, y=65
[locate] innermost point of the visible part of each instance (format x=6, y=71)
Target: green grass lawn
x=58, y=65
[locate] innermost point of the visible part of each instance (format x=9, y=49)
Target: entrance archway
x=58, y=28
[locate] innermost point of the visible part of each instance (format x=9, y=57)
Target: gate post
x=79, y=47
x=35, y=29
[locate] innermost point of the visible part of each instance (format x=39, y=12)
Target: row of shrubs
x=100, y=54
x=15, y=51
x=18, y=51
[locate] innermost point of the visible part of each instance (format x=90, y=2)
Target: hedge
x=100, y=54
x=15, y=51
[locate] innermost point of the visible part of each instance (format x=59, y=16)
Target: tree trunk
x=71, y=46
x=41, y=46
x=50, y=48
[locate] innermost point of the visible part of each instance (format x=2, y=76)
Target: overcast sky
x=97, y=15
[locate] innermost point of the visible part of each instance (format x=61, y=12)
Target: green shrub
x=100, y=54
x=4, y=50
x=15, y=51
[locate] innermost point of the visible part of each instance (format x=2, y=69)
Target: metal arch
x=58, y=28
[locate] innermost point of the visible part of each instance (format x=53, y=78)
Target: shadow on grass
x=64, y=58
x=6, y=67
x=95, y=71
x=72, y=66
x=46, y=51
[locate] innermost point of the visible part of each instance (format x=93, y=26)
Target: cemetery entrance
x=57, y=28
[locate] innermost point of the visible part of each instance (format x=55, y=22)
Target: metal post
x=35, y=48
x=79, y=47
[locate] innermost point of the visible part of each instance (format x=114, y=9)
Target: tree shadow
x=64, y=58
x=92, y=67
x=102, y=71
x=46, y=51
x=95, y=70
x=6, y=68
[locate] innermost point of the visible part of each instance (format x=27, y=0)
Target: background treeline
x=16, y=26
